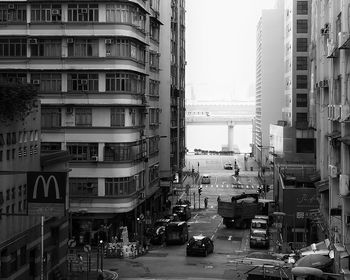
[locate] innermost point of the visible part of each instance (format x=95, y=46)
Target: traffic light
x=199, y=190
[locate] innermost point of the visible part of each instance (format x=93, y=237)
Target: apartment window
x=13, y=191
x=154, y=116
x=50, y=117
x=46, y=12
x=83, y=48
x=13, y=47
x=47, y=82
x=124, y=13
x=2, y=140
x=82, y=12
x=302, y=26
x=126, y=48
x=125, y=82
x=45, y=47
x=1, y=155
x=302, y=45
x=83, y=116
x=20, y=191
x=119, y=151
x=155, y=5
x=83, y=82
x=50, y=146
x=120, y=186
x=23, y=255
x=154, y=30
x=17, y=77
x=13, y=12
x=8, y=154
x=302, y=7
x=154, y=173
x=118, y=117
x=8, y=138
x=7, y=194
x=301, y=81
x=83, y=186
x=83, y=151
x=154, y=87
x=302, y=100
x=153, y=145
x=154, y=60
x=13, y=153
x=302, y=62
x=19, y=207
x=13, y=261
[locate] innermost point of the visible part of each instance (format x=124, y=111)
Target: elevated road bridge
x=230, y=113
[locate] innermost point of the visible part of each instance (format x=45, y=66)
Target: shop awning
x=345, y=140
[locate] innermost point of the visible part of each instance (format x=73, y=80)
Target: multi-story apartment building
x=97, y=67
x=330, y=112
x=20, y=239
x=172, y=88
x=269, y=80
x=291, y=137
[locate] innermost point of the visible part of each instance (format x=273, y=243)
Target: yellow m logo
x=46, y=185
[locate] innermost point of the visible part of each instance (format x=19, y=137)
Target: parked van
x=259, y=224
x=205, y=179
x=176, y=233
x=183, y=211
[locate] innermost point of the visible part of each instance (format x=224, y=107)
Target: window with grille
x=83, y=151
x=16, y=47
x=154, y=61
x=82, y=82
x=125, y=82
x=83, y=116
x=302, y=25
x=83, y=186
x=302, y=45
x=120, y=186
x=47, y=82
x=154, y=87
x=301, y=81
x=302, y=7
x=154, y=30
x=153, y=145
x=83, y=48
x=127, y=14
x=83, y=12
x=154, y=173
x=46, y=48
x=46, y=12
x=50, y=117
x=154, y=116
x=13, y=12
x=118, y=152
x=302, y=62
x=50, y=146
x=301, y=100
x=126, y=48
x=17, y=77
x=118, y=117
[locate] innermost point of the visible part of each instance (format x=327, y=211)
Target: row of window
x=22, y=152
x=13, y=138
x=83, y=117
x=41, y=13
x=76, y=47
x=121, y=81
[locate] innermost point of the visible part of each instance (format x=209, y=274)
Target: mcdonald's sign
x=46, y=192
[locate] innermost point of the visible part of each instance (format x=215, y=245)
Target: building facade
x=269, y=80
x=172, y=88
x=97, y=67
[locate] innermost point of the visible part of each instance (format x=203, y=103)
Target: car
x=158, y=231
x=205, y=179
x=199, y=245
x=228, y=165
x=172, y=217
x=259, y=238
x=183, y=211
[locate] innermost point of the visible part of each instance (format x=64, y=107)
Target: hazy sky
x=220, y=47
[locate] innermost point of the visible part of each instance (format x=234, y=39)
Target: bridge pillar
x=231, y=127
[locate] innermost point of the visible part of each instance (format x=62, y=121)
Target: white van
x=205, y=179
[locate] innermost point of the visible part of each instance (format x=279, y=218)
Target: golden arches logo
x=46, y=185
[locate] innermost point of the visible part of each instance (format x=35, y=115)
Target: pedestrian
x=206, y=202
x=80, y=260
x=218, y=199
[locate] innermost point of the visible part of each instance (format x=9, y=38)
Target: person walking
x=206, y=202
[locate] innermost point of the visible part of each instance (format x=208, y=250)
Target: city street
x=231, y=245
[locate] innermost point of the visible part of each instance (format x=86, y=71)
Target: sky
x=220, y=48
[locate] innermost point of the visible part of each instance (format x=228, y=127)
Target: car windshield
x=179, y=208
x=260, y=225
x=259, y=234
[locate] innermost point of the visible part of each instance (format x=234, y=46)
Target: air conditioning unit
x=330, y=47
x=11, y=6
x=84, y=82
x=108, y=41
x=337, y=112
x=325, y=83
x=345, y=112
x=342, y=38
x=70, y=40
x=36, y=82
x=69, y=110
x=84, y=11
x=55, y=12
x=332, y=171
x=330, y=112
x=33, y=41
x=94, y=158
x=108, y=53
x=344, y=185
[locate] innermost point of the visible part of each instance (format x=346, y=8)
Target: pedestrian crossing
x=228, y=186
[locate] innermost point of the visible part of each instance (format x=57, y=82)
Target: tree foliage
x=16, y=100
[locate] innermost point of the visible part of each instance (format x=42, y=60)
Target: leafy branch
x=16, y=100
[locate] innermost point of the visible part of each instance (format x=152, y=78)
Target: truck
x=239, y=211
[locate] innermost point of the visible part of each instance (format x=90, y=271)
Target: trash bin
x=251, y=168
